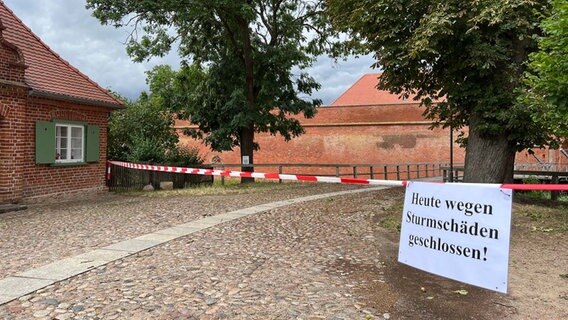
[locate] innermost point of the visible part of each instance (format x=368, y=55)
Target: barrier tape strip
x=295, y=177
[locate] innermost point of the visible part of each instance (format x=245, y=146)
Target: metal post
x=337, y=171
x=554, y=194
x=223, y=177
x=451, y=149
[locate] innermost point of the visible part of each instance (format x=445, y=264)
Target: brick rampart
x=352, y=135
x=379, y=134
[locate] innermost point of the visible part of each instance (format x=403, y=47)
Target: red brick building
x=53, y=118
x=363, y=126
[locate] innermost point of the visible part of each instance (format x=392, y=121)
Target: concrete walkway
x=29, y=281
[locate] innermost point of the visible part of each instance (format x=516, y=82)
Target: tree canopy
x=546, y=80
x=143, y=131
x=248, y=60
x=468, y=56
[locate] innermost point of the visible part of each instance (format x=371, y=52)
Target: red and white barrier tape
x=295, y=177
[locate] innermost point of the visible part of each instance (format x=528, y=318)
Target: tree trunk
x=488, y=160
x=247, y=134
x=247, y=150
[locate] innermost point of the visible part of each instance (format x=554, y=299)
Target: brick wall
x=12, y=136
x=13, y=93
x=356, y=134
x=20, y=177
x=11, y=62
x=45, y=179
x=385, y=134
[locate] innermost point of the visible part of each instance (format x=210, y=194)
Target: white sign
x=458, y=231
x=246, y=160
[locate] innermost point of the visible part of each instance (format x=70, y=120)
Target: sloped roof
x=48, y=74
x=364, y=92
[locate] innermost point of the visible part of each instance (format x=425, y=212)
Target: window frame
x=45, y=143
x=68, y=147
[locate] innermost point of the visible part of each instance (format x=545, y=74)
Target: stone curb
x=29, y=281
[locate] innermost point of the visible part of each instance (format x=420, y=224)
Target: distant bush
x=185, y=156
x=143, y=132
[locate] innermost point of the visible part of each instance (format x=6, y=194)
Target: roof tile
x=47, y=71
x=364, y=92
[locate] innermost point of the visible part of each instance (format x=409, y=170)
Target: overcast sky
x=99, y=51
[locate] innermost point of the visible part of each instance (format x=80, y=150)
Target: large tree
x=546, y=79
x=144, y=131
x=253, y=51
x=470, y=55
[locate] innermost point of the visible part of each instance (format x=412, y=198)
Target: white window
x=69, y=143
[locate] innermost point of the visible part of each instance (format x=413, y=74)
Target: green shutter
x=45, y=142
x=92, y=144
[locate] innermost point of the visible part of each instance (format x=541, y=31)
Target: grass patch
x=541, y=215
x=392, y=217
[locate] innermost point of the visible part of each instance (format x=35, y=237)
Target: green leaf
x=241, y=58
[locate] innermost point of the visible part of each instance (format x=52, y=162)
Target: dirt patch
x=538, y=272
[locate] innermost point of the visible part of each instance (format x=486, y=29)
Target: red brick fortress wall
x=380, y=134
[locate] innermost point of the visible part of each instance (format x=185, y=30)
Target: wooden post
x=554, y=194
x=279, y=172
x=397, y=172
x=386, y=173
x=337, y=171
x=418, y=171
x=222, y=177
x=408, y=172
x=354, y=171
x=371, y=173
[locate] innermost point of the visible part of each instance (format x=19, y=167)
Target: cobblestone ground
x=294, y=262
x=58, y=227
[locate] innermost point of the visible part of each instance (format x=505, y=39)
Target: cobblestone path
x=294, y=262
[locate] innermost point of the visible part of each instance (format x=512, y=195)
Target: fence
x=552, y=172
x=370, y=171
x=542, y=167
x=521, y=172
x=126, y=179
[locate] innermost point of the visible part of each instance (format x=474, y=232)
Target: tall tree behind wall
x=248, y=48
x=546, y=80
x=470, y=54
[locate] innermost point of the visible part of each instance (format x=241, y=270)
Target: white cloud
x=99, y=51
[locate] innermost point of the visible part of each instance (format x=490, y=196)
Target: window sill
x=68, y=164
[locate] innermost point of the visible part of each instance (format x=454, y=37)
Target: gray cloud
x=99, y=51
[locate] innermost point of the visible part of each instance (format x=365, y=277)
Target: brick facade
x=363, y=126
x=20, y=177
x=37, y=85
x=381, y=134
x=43, y=179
